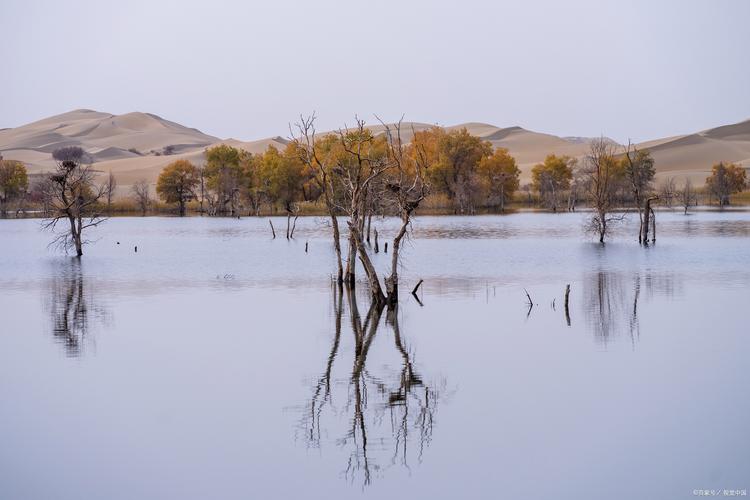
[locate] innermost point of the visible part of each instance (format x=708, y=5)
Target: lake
x=217, y=362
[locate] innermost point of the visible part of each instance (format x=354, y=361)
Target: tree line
x=355, y=174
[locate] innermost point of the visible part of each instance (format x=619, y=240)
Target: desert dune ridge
x=135, y=146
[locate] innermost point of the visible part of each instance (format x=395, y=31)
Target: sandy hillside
x=691, y=156
x=127, y=145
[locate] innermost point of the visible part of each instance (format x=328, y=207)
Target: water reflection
x=72, y=308
x=611, y=300
x=381, y=419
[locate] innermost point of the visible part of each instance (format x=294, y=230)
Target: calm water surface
x=217, y=362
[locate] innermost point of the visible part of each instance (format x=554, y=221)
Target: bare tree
x=639, y=170
x=667, y=191
x=73, y=198
x=600, y=170
x=109, y=189
x=142, y=195
x=687, y=195
x=363, y=165
x=322, y=175
x=405, y=189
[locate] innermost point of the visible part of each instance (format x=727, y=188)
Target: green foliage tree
x=14, y=182
x=725, y=180
x=177, y=183
x=499, y=176
x=551, y=178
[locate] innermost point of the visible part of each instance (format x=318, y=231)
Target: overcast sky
x=630, y=69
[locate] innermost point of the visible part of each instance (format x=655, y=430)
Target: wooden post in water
x=567, y=310
x=273, y=232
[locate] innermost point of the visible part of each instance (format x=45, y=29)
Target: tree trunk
x=376, y=290
x=648, y=212
x=391, y=282
x=351, y=263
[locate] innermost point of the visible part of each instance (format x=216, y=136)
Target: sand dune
x=105, y=136
x=127, y=144
x=691, y=156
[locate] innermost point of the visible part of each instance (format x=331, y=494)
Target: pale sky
x=625, y=69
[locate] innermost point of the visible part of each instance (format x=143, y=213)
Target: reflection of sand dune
x=126, y=144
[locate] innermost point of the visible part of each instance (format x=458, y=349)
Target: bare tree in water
x=321, y=169
x=74, y=199
x=405, y=190
x=639, y=170
x=601, y=172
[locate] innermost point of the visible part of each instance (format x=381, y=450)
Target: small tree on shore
x=499, y=176
x=224, y=178
x=177, y=183
x=14, y=182
x=73, y=198
x=687, y=195
x=551, y=178
x=109, y=190
x=142, y=195
x=725, y=180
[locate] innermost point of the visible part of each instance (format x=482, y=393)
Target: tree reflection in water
x=71, y=307
x=612, y=300
x=387, y=417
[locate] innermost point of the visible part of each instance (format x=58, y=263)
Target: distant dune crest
x=138, y=145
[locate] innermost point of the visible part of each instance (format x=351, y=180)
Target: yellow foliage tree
x=177, y=183
x=552, y=177
x=499, y=176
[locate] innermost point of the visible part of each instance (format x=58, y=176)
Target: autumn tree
x=601, y=170
x=281, y=175
x=14, y=182
x=177, y=183
x=551, y=178
x=499, y=176
x=224, y=178
x=454, y=157
x=639, y=171
x=74, y=198
x=725, y=180
x=142, y=195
